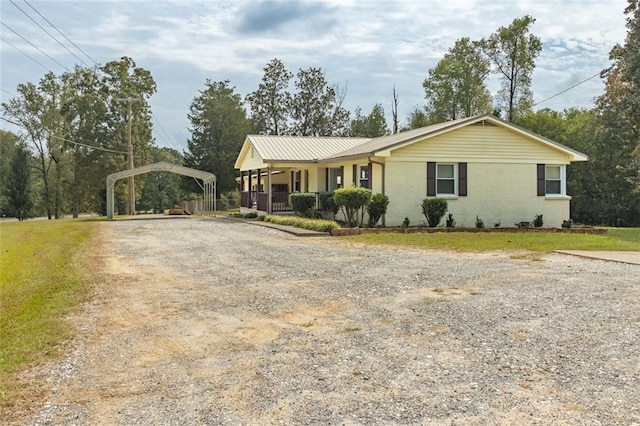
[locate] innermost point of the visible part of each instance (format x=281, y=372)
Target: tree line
x=87, y=105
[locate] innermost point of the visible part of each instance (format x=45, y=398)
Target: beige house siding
x=494, y=195
x=252, y=160
x=481, y=144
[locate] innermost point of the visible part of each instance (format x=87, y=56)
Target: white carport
x=208, y=182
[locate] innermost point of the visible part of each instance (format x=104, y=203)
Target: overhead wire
x=61, y=33
x=7, y=92
x=47, y=32
x=24, y=53
x=72, y=142
x=567, y=89
x=162, y=132
x=36, y=47
x=88, y=146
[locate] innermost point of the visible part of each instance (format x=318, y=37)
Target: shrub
x=537, y=222
x=328, y=204
x=353, y=203
x=567, y=223
x=406, y=222
x=319, y=225
x=480, y=223
x=261, y=218
x=303, y=203
x=433, y=210
x=451, y=223
x=229, y=200
x=377, y=207
x=251, y=215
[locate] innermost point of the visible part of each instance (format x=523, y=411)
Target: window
x=364, y=176
x=334, y=180
x=445, y=179
x=553, y=180
x=296, y=177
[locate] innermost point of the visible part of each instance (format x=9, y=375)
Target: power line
x=61, y=33
x=25, y=54
x=88, y=146
x=8, y=93
x=164, y=132
x=567, y=89
x=48, y=33
x=70, y=141
x=39, y=50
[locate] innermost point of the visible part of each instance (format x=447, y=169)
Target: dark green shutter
x=431, y=179
x=541, y=181
x=462, y=179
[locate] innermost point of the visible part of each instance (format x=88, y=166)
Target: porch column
x=269, y=199
x=249, y=190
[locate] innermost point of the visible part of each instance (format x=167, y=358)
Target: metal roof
x=313, y=149
x=300, y=148
x=386, y=142
x=396, y=140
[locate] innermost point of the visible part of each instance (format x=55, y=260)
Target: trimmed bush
x=251, y=215
x=303, y=203
x=433, y=210
x=353, y=203
x=319, y=225
x=328, y=204
x=377, y=207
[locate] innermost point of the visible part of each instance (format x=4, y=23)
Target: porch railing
x=279, y=201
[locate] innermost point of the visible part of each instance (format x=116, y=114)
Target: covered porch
x=268, y=190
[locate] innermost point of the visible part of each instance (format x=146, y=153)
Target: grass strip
x=41, y=280
x=617, y=239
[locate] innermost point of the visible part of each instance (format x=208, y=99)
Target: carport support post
x=110, y=199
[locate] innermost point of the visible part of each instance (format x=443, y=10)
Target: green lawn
x=42, y=277
x=615, y=239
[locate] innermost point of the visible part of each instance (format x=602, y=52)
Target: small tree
x=303, y=203
x=377, y=207
x=19, y=185
x=353, y=203
x=433, y=210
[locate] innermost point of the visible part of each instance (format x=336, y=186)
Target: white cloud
x=371, y=45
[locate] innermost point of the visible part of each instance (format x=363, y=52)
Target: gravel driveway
x=207, y=321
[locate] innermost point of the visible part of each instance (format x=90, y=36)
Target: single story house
x=483, y=166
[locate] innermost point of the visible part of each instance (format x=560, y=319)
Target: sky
x=367, y=46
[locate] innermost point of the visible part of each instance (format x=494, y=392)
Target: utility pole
x=132, y=188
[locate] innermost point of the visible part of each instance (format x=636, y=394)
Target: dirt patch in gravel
x=216, y=322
